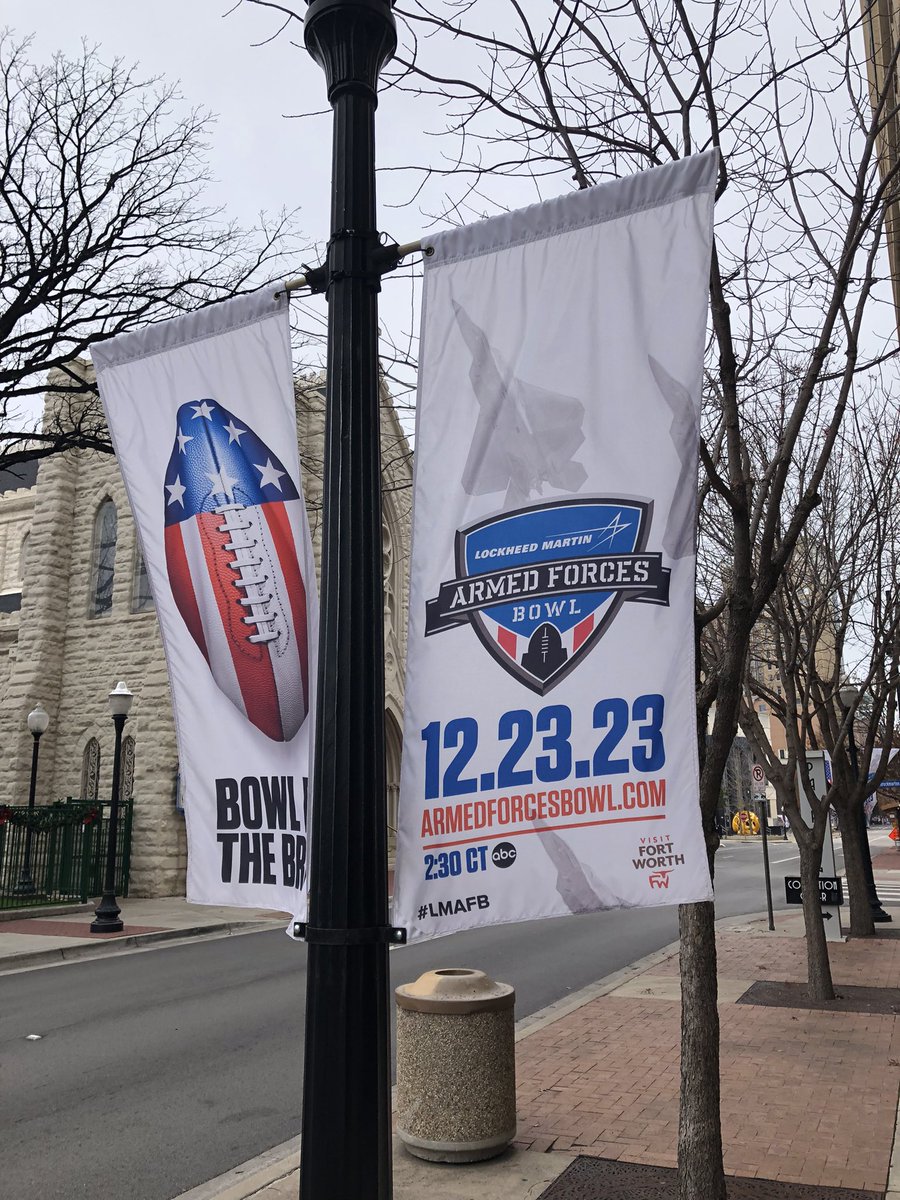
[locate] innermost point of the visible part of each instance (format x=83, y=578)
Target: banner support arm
x=316, y=278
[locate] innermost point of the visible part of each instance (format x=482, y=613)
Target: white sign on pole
x=550, y=743
x=201, y=414
x=759, y=782
x=815, y=766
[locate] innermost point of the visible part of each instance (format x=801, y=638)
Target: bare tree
x=864, y=616
x=535, y=99
x=102, y=229
x=831, y=615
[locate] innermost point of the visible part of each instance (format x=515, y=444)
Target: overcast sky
x=261, y=160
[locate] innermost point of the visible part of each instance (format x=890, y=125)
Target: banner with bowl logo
x=550, y=743
x=201, y=414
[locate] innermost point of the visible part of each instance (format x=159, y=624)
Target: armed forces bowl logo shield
x=563, y=570
x=233, y=523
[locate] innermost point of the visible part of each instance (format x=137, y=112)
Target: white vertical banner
x=550, y=744
x=202, y=418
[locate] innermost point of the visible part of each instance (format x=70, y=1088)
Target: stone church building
x=76, y=616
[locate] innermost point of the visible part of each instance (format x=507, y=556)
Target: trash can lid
x=455, y=990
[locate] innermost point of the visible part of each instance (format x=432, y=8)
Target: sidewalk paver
x=807, y=1097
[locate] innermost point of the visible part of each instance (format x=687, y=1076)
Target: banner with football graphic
x=550, y=743
x=201, y=414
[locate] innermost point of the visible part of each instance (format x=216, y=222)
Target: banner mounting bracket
x=387, y=257
x=393, y=935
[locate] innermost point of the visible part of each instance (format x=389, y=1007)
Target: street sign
x=757, y=773
x=831, y=891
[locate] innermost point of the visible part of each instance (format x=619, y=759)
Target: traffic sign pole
x=764, y=822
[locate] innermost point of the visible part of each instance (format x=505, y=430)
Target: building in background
x=881, y=29
x=76, y=615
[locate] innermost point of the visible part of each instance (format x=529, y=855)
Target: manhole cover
x=590, y=1178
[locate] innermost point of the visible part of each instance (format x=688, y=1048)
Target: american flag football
x=233, y=525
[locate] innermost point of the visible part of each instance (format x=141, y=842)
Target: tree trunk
x=861, y=924
x=700, y=1172
x=817, y=963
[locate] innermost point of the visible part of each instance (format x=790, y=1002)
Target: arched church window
x=393, y=749
x=126, y=786
x=103, y=558
x=141, y=596
x=387, y=570
x=22, y=551
x=90, y=770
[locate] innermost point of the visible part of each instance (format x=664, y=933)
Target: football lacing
x=242, y=546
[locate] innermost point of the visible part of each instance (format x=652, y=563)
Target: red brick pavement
x=887, y=860
x=807, y=1097
x=70, y=928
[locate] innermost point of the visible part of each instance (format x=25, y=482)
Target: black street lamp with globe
x=38, y=721
x=107, y=917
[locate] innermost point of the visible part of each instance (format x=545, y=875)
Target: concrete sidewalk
x=53, y=935
x=808, y=1096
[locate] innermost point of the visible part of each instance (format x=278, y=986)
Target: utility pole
x=346, y=1147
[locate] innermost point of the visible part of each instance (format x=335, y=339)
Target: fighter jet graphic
x=678, y=540
x=525, y=436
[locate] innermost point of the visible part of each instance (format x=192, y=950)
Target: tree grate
x=589, y=1178
x=849, y=998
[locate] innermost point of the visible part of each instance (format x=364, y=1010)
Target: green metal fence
x=56, y=853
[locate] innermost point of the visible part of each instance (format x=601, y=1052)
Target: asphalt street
x=158, y=1070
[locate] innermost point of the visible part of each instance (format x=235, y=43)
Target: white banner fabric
x=202, y=418
x=550, y=743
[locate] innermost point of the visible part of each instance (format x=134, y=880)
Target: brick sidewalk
x=807, y=1097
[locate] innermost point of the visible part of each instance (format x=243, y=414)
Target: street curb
x=562, y=1008
x=136, y=941
x=569, y=1004
x=250, y=1177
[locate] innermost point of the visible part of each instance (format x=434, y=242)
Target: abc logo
x=503, y=854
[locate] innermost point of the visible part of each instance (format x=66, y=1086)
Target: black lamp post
x=38, y=720
x=346, y=1094
x=848, y=697
x=106, y=918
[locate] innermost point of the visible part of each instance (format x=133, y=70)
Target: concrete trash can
x=456, y=1066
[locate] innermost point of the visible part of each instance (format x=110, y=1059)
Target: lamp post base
x=106, y=918
x=25, y=886
x=880, y=917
